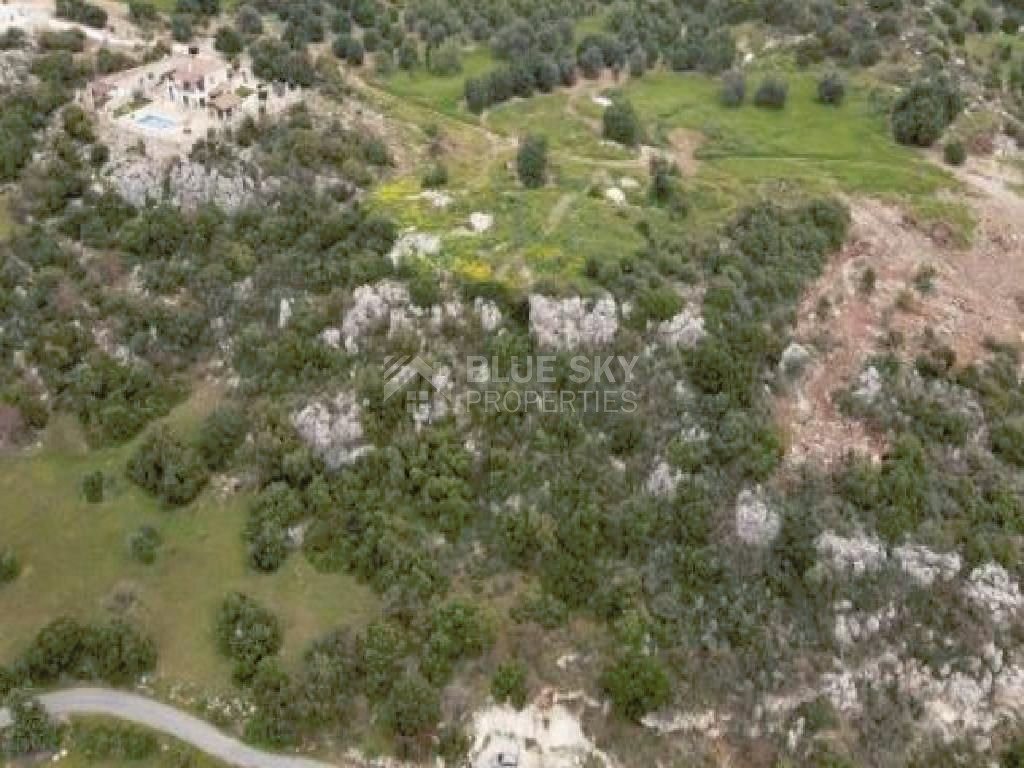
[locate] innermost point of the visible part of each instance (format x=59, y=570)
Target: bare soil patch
x=924, y=287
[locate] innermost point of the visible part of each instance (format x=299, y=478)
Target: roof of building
x=224, y=100
x=192, y=69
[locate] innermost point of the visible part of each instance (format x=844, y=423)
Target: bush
x=924, y=111
x=99, y=154
x=621, y=124
x=113, y=742
x=509, y=684
x=31, y=731
x=733, y=90
x=445, y=61
x=954, y=153
x=246, y=633
x=636, y=684
x=167, y=468
x=143, y=544
x=92, y=487
x=228, y=41
x=435, y=176
x=831, y=89
x=771, y=93
x=1008, y=441
x=532, y=161
x=220, y=435
x=983, y=20
x=114, y=652
x=9, y=566
x=412, y=712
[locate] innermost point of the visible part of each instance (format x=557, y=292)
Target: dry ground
x=977, y=294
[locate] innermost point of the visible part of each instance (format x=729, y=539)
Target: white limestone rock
x=924, y=566
x=414, y=244
x=685, y=330
x=992, y=588
x=663, y=480
x=372, y=309
x=567, y=324
x=858, y=554
x=615, y=196
x=333, y=430
x=480, y=222
x=488, y=312
x=757, y=524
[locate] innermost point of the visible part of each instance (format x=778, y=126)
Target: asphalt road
x=166, y=719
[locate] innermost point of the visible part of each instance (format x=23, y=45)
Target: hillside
x=609, y=384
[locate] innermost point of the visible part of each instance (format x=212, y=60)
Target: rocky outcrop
x=685, y=330
x=856, y=554
x=757, y=524
x=992, y=588
x=567, y=324
x=488, y=312
x=924, y=567
x=663, y=480
x=187, y=184
x=333, y=430
x=372, y=306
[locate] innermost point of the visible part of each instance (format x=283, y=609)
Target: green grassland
x=75, y=560
x=743, y=154
x=443, y=94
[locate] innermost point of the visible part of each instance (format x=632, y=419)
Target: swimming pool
x=159, y=122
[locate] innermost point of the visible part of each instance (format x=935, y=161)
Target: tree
x=412, y=712
x=92, y=487
x=924, y=111
x=831, y=89
x=771, y=93
x=532, y=160
x=181, y=27
x=637, y=684
x=248, y=21
x=9, y=566
x=31, y=731
x=954, y=153
x=509, y=683
x=247, y=633
x=143, y=544
x=733, y=90
x=408, y=55
x=228, y=41
x=220, y=435
x=167, y=468
x=621, y=124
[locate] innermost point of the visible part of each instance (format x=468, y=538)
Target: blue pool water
x=156, y=121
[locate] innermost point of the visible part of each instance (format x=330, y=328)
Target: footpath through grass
x=75, y=561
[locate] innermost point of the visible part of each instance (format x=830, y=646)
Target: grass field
x=808, y=142
x=443, y=94
x=75, y=561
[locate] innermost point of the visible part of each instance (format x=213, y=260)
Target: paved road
x=166, y=719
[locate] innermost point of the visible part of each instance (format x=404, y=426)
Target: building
x=192, y=79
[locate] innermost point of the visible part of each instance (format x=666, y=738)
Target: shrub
x=924, y=111
x=1008, y=441
x=509, y=684
x=143, y=544
x=92, y=487
x=620, y=123
x=733, y=90
x=114, y=652
x=954, y=153
x=220, y=435
x=445, y=61
x=637, y=684
x=412, y=712
x=167, y=468
x=99, y=154
x=246, y=633
x=983, y=19
x=435, y=176
x=113, y=742
x=9, y=566
x=771, y=93
x=228, y=41
x=831, y=89
x=181, y=28
x=31, y=731
x=532, y=161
